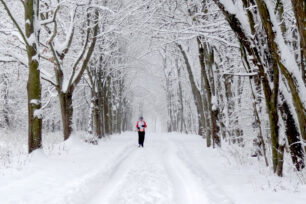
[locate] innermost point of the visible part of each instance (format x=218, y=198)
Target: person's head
x=141, y=118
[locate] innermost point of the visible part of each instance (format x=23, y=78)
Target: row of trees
x=241, y=63
x=110, y=107
x=80, y=48
x=233, y=49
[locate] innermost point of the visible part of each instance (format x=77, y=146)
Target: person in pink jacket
x=141, y=127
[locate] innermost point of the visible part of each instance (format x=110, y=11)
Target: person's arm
x=144, y=124
x=137, y=126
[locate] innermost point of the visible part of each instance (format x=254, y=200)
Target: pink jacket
x=140, y=124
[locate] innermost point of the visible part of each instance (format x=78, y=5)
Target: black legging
x=141, y=137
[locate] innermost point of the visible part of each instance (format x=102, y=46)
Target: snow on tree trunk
x=33, y=86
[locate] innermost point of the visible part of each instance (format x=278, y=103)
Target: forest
x=219, y=82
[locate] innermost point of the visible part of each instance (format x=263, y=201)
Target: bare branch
x=51, y=82
x=15, y=22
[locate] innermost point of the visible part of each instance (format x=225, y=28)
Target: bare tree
x=30, y=36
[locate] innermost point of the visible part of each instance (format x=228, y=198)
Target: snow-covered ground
x=172, y=168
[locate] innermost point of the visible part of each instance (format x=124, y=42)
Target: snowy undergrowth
x=14, y=150
x=240, y=158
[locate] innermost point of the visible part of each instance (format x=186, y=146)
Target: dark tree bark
x=96, y=115
x=206, y=58
x=66, y=112
x=293, y=136
x=106, y=106
x=299, y=8
x=6, y=119
x=33, y=85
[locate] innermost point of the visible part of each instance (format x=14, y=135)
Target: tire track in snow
x=186, y=188
x=213, y=191
x=81, y=190
x=181, y=186
x=118, y=171
x=146, y=181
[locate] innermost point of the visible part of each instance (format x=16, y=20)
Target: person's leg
x=144, y=133
x=139, y=138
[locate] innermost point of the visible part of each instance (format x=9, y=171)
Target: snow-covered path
x=155, y=174
x=172, y=168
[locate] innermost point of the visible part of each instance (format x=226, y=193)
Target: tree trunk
x=33, y=85
x=5, y=99
x=100, y=97
x=106, y=106
x=230, y=105
x=110, y=105
x=273, y=119
x=195, y=91
x=106, y=114
x=67, y=112
x=280, y=160
x=182, y=119
x=96, y=114
x=119, y=109
x=299, y=8
x=209, y=90
x=90, y=124
x=293, y=136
